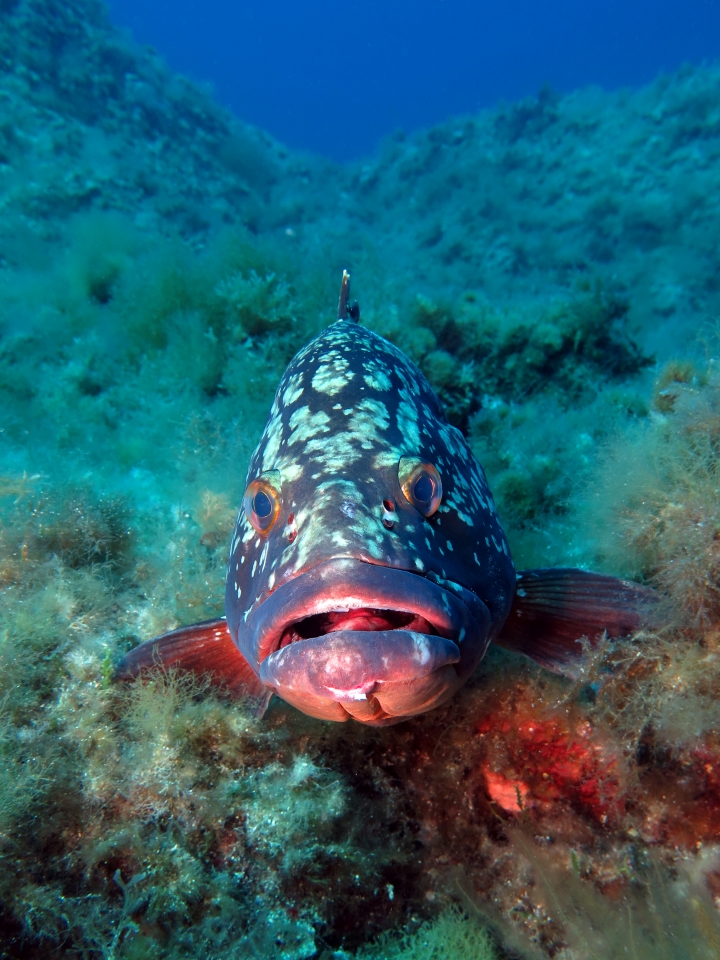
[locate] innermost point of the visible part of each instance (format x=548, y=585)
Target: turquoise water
x=552, y=266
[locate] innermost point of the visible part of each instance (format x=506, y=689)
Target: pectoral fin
x=204, y=648
x=555, y=609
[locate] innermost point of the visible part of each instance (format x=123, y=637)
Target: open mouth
x=363, y=619
x=350, y=638
x=352, y=595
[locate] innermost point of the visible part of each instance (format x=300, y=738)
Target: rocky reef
x=552, y=266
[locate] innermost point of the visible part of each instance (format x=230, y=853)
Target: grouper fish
x=368, y=571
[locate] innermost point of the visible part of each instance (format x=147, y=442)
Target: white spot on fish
x=293, y=390
x=357, y=694
x=330, y=378
x=377, y=380
x=273, y=435
x=305, y=425
x=290, y=471
x=422, y=650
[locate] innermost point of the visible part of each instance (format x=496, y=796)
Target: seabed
x=553, y=267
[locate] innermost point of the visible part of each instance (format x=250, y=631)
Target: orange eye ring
x=262, y=501
x=421, y=484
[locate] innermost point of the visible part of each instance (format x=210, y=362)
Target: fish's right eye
x=421, y=484
x=423, y=489
x=262, y=502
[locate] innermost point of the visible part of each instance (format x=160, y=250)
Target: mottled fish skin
x=349, y=406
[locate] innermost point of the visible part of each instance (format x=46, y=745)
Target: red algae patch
x=539, y=762
x=511, y=795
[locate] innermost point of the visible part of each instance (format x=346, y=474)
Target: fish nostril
x=389, y=518
x=290, y=531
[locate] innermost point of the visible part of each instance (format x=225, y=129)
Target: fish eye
x=421, y=484
x=424, y=489
x=262, y=505
x=262, y=501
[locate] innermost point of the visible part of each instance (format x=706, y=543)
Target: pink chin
x=377, y=677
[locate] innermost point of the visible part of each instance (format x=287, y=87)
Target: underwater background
x=552, y=264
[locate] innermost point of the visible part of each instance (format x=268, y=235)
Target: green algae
x=652, y=512
x=451, y=935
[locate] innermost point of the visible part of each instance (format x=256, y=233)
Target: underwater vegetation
x=160, y=263
x=450, y=935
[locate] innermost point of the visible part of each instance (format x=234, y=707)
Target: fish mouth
x=349, y=638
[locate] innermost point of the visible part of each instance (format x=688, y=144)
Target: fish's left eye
x=421, y=484
x=262, y=502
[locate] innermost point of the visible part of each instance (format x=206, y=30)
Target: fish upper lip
x=344, y=584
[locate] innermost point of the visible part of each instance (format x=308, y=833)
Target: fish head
x=368, y=570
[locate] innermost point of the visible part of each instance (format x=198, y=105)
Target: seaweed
x=449, y=936
x=473, y=354
x=664, y=513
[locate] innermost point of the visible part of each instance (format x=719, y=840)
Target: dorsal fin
x=206, y=649
x=347, y=310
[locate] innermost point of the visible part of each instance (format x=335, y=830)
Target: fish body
x=368, y=570
x=392, y=607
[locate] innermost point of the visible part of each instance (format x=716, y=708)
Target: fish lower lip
x=350, y=665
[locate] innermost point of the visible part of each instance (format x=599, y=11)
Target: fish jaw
x=354, y=639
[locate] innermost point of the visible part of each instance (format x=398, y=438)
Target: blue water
x=334, y=78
